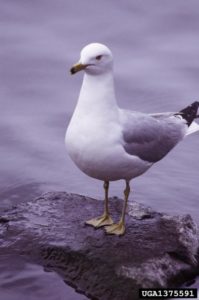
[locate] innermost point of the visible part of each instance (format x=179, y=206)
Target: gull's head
x=95, y=59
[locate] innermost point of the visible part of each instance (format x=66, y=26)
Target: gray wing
x=151, y=137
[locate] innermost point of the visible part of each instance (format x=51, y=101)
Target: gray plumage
x=151, y=137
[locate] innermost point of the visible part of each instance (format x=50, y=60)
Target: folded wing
x=151, y=137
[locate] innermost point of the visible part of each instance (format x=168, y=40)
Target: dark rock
x=3, y=220
x=157, y=250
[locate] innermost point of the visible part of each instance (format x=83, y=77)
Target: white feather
x=109, y=143
x=193, y=128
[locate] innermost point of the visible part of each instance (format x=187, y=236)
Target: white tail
x=192, y=128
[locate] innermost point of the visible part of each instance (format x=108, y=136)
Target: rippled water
x=156, y=50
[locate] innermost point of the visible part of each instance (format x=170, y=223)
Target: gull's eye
x=98, y=57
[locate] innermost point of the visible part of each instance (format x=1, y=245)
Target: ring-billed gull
x=109, y=143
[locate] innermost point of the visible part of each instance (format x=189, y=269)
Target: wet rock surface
x=157, y=250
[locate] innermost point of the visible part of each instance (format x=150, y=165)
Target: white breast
x=90, y=144
x=97, y=150
x=94, y=138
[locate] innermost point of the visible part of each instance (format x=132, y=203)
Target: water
x=20, y=277
x=156, y=48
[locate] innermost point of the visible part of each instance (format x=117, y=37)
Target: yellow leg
x=105, y=219
x=119, y=228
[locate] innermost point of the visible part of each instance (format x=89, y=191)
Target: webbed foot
x=117, y=229
x=103, y=220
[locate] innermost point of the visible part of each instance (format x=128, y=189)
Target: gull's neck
x=97, y=94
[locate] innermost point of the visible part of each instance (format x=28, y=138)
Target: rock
x=157, y=250
x=3, y=220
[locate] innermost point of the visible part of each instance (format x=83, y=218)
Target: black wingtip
x=189, y=113
x=195, y=104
